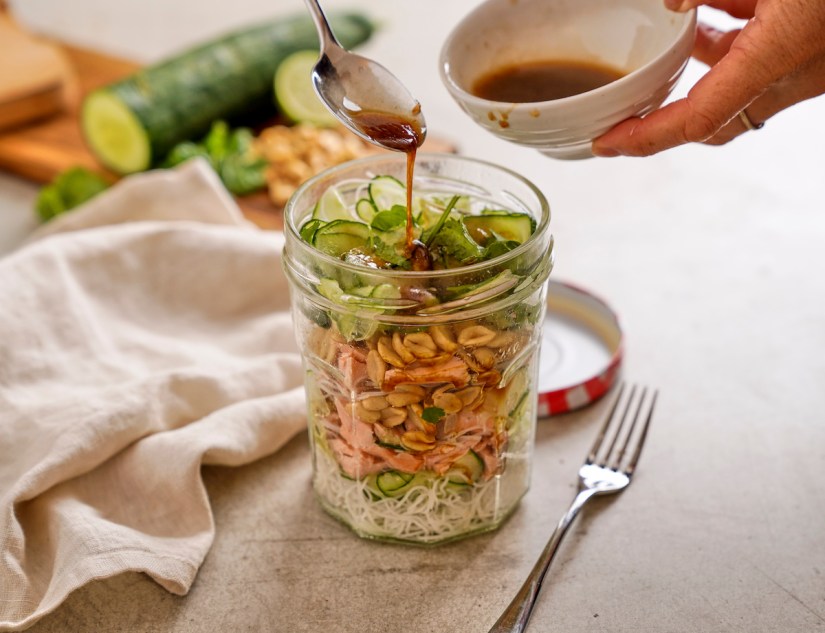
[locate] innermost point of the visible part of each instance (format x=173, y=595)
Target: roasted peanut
x=376, y=367
x=402, y=398
x=502, y=339
x=388, y=354
x=443, y=337
x=374, y=403
x=365, y=415
x=421, y=345
x=417, y=441
x=393, y=416
x=475, y=335
x=471, y=362
x=485, y=357
x=450, y=402
x=412, y=388
x=331, y=345
x=398, y=344
x=490, y=378
x=468, y=395
x=442, y=389
x=435, y=360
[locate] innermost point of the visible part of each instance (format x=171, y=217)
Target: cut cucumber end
x=114, y=134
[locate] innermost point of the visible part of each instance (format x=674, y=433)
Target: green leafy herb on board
x=230, y=154
x=70, y=189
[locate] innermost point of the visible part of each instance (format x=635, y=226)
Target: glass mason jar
x=421, y=406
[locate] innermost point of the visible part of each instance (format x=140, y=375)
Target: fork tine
x=597, y=444
x=643, y=435
x=617, y=433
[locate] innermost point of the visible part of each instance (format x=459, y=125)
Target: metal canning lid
x=581, y=350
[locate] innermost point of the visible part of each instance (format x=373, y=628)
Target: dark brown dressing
x=403, y=135
x=543, y=81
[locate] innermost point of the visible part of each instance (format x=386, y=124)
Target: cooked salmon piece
x=443, y=456
x=352, y=364
x=358, y=434
x=354, y=463
x=453, y=370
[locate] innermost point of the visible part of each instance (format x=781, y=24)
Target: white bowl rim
x=688, y=25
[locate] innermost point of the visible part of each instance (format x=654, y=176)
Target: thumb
x=743, y=9
x=712, y=44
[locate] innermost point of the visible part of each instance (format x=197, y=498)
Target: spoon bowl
x=363, y=95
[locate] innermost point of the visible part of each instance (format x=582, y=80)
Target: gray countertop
x=713, y=259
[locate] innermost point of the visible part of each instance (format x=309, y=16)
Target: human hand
x=775, y=61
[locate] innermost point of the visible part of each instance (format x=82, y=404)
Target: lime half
x=295, y=94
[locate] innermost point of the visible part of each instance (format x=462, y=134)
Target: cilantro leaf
x=389, y=219
x=432, y=414
x=454, y=242
x=389, y=252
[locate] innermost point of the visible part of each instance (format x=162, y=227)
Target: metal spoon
x=362, y=94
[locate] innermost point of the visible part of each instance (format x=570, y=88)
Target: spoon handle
x=328, y=38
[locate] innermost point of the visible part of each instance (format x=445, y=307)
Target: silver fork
x=607, y=469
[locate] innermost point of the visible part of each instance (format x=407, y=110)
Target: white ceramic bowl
x=638, y=37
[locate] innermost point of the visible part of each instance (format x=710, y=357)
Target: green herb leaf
x=242, y=174
x=499, y=247
x=389, y=252
x=389, y=219
x=230, y=154
x=428, y=238
x=453, y=241
x=432, y=414
x=70, y=189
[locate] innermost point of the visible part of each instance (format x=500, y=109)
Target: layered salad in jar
x=420, y=349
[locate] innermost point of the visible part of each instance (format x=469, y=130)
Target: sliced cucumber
x=331, y=206
x=115, y=133
x=309, y=229
x=387, y=191
x=341, y=236
x=365, y=210
x=386, y=291
x=362, y=291
x=134, y=123
x=393, y=483
x=466, y=470
x=517, y=227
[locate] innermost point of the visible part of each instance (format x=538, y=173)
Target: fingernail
x=605, y=152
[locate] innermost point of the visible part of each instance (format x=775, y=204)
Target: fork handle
x=515, y=616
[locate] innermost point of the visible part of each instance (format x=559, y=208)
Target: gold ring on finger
x=746, y=121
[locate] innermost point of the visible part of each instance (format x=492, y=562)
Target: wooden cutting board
x=41, y=150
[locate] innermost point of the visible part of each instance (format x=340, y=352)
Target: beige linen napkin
x=141, y=336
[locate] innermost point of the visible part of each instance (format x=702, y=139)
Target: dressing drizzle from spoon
x=404, y=135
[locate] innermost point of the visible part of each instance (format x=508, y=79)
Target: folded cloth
x=141, y=336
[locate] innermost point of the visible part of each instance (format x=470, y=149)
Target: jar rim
x=542, y=224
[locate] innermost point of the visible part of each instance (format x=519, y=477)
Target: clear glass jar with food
x=421, y=384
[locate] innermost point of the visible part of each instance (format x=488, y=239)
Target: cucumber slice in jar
x=309, y=228
x=387, y=191
x=466, y=470
x=393, y=483
x=517, y=227
x=341, y=236
x=365, y=210
x=331, y=206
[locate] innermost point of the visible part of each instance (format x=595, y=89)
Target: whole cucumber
x=132, y=124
